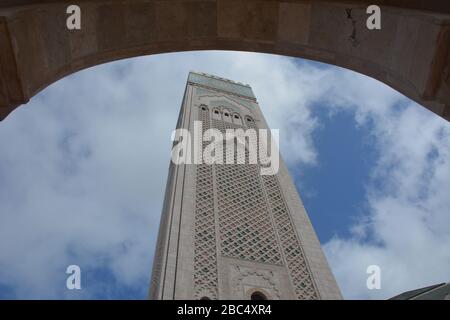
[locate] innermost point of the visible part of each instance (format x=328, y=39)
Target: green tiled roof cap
x=221, y=84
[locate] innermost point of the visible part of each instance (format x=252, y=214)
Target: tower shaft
x=227, y=231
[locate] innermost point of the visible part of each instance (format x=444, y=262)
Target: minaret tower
x=227, y=231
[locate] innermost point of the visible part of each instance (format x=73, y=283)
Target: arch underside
x=410, y=53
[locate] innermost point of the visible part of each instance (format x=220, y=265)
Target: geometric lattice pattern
x=246, y=229
x=253, y=220
x=231, y=230
x=292, y=250
x=205, y=260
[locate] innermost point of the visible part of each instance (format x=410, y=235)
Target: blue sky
x=333, y=191
x=83, y=168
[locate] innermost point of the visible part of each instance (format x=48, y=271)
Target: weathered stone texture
x=227, y=231
x=410, y=53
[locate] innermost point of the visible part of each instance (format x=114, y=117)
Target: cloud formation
x=83, y=168
x=406, y=230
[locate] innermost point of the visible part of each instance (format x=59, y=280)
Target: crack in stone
x=353, y=39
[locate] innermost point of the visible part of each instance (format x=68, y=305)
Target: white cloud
x=83, y=169
x=407, y=227
x=83, y=165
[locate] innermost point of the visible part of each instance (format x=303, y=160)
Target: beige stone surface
x=233, y=232
x=410, y=53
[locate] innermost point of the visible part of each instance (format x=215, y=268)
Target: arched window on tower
x=257, y=295
x=216, y=114
x=237, y=119
x=249, y=120
x=226, y=115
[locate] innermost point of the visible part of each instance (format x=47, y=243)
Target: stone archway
x=410, y=53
